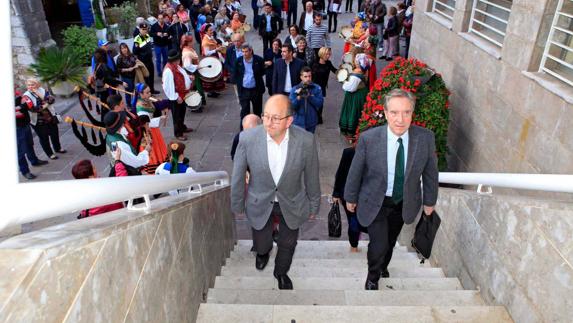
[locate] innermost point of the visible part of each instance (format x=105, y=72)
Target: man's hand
x=335, y=200
x=351, y=206
x=117, y=154
x=312, y=217
x=428, y=210
x=148, y=147
x=179, y=100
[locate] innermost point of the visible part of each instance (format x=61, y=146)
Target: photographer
x=306, y=98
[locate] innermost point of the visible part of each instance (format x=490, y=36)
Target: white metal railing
x=37, y=201
x=538, y=182
x=445, y=8
x=558, y=55
x=489, y=19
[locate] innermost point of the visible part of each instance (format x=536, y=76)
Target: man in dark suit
x=286, y=71
x=284, y=182
x=249, y=72
x=383, y=183
x=269, y=26
x=234, y=52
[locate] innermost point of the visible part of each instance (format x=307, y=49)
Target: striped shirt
x=317, y=36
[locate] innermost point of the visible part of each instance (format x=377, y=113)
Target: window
x=558, y=56
x=489, y=19
x=445, y=8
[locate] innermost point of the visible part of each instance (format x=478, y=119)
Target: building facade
x=509, y=66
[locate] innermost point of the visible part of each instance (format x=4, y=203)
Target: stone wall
x=518, y=251
x=505, y=117
x=30, y=33
x=121, y=266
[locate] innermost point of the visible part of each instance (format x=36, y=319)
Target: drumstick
x=208, y=66
x=69, y=119
x=152, y=99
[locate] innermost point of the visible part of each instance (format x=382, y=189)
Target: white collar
x=285, y=139
x=393, y=138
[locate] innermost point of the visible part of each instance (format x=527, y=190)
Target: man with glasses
x=284, y=182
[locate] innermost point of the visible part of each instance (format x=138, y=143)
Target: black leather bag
x=334, y=222
x=425, y=234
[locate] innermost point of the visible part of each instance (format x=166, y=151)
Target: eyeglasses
x=273, y=119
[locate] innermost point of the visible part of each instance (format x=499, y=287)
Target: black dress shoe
x=40, y=163
x=284, y=281
x=384, y=273
x=261, y=261
x=370, y=285
x=30, y=176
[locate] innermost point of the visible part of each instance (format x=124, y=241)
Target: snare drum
x=193, y=99
x=342, y=75
x=347, y=58
x=210, y=69
x=348, y=67
x=346, y=32
x=246, y=27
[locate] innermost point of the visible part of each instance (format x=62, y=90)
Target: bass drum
x=210, y=69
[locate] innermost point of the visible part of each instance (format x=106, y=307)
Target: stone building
x=509, y=66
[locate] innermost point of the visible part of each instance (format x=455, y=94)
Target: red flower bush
x=431, y=100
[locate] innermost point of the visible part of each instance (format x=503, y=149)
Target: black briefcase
x=425, y=234
x=334, y=221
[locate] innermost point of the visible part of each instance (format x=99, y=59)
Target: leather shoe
x=384, y=273
x=284, y=281
x=261, y=261
x=188, y=130
x=40, y=163
x=370, y=285
x=30, y=176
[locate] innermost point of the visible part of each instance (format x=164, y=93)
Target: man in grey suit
x=283, y=165
x=383, y=184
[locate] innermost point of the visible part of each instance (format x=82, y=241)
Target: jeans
x=160, y=58
x=130, y=87
x=380, y=32
x=25, y=144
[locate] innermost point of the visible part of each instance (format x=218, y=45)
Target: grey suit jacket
x=367, y=179
x=298, y=189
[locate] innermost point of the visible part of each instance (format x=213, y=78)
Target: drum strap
x=178, y=79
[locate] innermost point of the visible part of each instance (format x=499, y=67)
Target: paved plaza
x=209, y=145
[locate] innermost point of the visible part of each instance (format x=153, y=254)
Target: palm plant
x=55, y=65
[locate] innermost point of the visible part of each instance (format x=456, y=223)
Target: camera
x=304, y=90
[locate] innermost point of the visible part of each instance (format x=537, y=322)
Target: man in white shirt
x=176, y=85
x=286, y=71
x=284, y=182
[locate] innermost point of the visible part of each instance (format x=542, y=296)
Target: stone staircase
x=329, y=287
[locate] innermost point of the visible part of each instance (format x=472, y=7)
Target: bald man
x=283, y=163
x=248, y=122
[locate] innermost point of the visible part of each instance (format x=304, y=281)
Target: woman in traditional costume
x=146, y=112
x=211, y=48
x=190, y=60
x=357, y=31
x=356, y=89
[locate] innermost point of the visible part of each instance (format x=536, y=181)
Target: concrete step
x=340, y=253
x=224, y=313
x=320, y=244
x=350, y=263
x=317, y=283
x=345, y=298
x=320, y=271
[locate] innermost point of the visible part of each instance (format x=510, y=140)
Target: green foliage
x=56, y=65
x=82, y=41
x=127, y=16
x=431, y=100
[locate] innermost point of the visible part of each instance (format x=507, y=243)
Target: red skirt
x=372, y=74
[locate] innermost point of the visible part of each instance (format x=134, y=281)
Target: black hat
x=113, y=121
x=173, y=55
x=143, y=25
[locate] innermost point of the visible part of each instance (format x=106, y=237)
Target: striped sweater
x=317, y=36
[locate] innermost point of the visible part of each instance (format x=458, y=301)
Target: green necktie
x=398, y=190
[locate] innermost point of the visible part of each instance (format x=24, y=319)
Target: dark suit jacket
x=275, y=25
x=258, y=71
x=231, y=60
x=367, y=179
x=342, y=172
x=279, y=74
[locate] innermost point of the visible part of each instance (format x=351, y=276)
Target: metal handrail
x=538, y=182
x=37, y=201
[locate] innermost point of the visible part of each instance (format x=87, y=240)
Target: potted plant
x=61, y=69
x=82, y=41
x=431, y=93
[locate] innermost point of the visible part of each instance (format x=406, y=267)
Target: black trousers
x=348, y=5
x=178, y=112
x=263, y=241
x=250, y=97
x=383, y=233
x=332, y=19
x=267, y=40
x=354, y=227
x=292, y=10
x=46, y=133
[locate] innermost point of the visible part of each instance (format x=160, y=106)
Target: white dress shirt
x=169, y=83
x=393, y=145
x=277, y=154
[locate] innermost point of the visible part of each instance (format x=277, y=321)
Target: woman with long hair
x=211, y=48
x=126, y=65
x=270, y=57
x=190, y=60
x=146, y=112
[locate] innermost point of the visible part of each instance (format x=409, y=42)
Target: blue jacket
x=279, y=73
x=306, y=109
